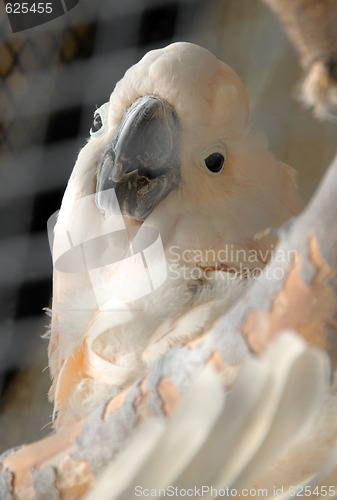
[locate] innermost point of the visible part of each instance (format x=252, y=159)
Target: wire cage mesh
x=52, y=77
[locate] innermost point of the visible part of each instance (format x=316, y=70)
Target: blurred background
x=52, y=79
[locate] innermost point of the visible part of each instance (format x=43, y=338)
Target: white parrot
x=160, y=231
x=172, y=177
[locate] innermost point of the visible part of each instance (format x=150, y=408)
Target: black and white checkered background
x=52, y=78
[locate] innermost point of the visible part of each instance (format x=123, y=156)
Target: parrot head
x=174, y=144
x=175, y=101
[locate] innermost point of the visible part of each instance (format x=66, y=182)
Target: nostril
x=121, y=171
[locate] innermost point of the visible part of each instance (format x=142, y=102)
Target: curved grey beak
x=142, y=162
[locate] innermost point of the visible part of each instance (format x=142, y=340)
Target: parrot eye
x=215, y=162
x=96, y=124
x=100, y=121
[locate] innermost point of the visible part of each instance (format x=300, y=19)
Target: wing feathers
x=224, y=440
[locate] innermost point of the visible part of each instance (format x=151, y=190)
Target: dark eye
x=215, y=162
x=97, y=123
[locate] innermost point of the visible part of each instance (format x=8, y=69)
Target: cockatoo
x=162, y=225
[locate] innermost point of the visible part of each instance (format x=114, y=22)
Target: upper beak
x=142, y=162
